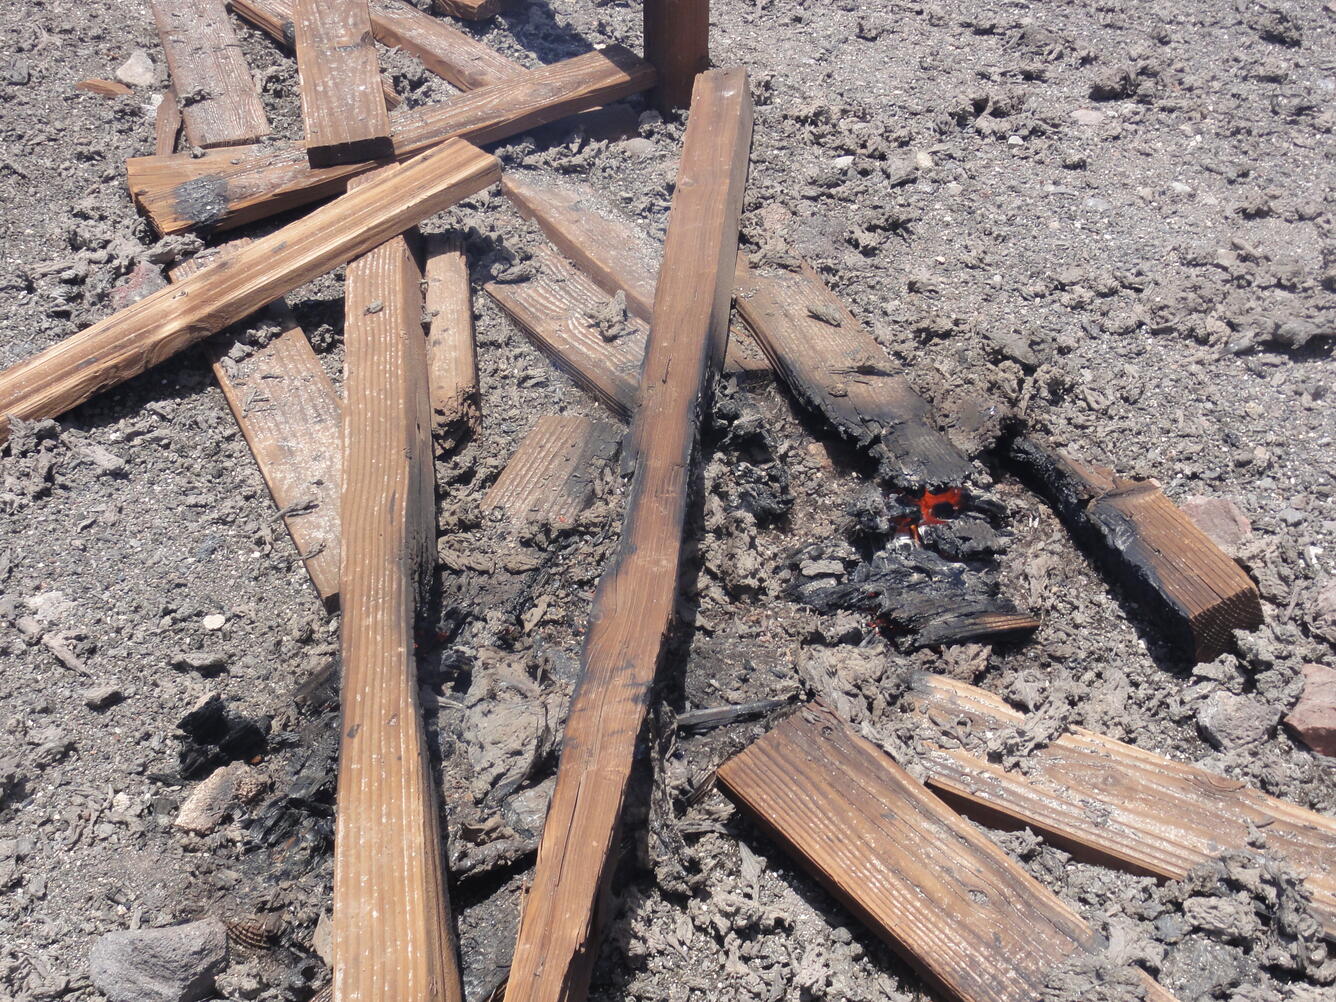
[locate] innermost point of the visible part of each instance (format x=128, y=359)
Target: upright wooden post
x=677, y=44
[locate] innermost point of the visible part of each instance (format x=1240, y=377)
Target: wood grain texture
x=471, y=10
x=1198, y=593
x=554, y=307
x=949, y=901
x=833, y=365
x=343, y=112
x=391, y=935
x=223, y=189
x=633, y=606
x=166, y=124
x=452, y=357
x=222, y=106
x=104, y=88
x=142, y=335
x=1116, y=804
x=551, y=476
x=677, y=44
x=289, y=412
x=609, y=250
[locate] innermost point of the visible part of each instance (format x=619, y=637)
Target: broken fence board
x=1113, y=803
x=343, y=113
x=1200, y=595
x=223, y=189
x=677, y=43
x=223, y=107
x=155, y=328
x=551, y=476
x=391, y=931
x=949, y=901
x=452, y=55
x=834, y=366
x=633, y=607
x=289, y=412
x=166, y=123
x=452, y=358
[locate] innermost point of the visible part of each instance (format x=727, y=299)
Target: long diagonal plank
x=452, y=355
x=551, y=475
x=223, y=108
x=226, y=188
x=343, y=114
x=1113, y=803
x=288, y=411
x=975, y=925
x=392, y=937
x=155, y=328
x=633, y=607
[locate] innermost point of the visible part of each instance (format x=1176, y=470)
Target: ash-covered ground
x=1110, y=221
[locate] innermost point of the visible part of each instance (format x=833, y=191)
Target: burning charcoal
x=969, y=537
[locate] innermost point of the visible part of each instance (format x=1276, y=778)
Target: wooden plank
x=472, y=10
x=1198, y=594
x=634, y=603
x=391, y=931
x=223, y=189
x=103, y=88
x=551, y=476
x=155, y=328
x=166, y=124
x=1112, y=803
x=343, y=113
x=452, y=358
x=610, y=251
x=972, y=922
x=289, y=412
x=833, y=365
x=554, y=307
x=677, y=44
x=223, y=108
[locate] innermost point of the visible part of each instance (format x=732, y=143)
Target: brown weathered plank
x=554, y=307
x=166, y=124
x=142, y=335
x=551, y=476
x=452, y=358
x=392, y=936
x=633, y=606
x=833, y=365
x=949, y=901
x=223, y=108
x=227, y=188
x=343, y=112
x=103, y=88
x=1113, y=803
x=1198, y=593
x=471, y=10
x=289, y=412
x=677, y=44
x=610, y=251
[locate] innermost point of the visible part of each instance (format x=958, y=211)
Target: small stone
x=17, y=73
x=1179, y=188
x=1313, y=719
x=1220, y=519
x=821, y=568
x=175, y=964
x=1229, y=721
x=206, y=807
x=215, y=622
x=144, y=280
x=1015, y=141
x=1113, y=84
x=137, y=71
x=322, y=940
x=640, y=147
x=108, y=464
x=102, y=696
x=204, y=662
x=1322, y=616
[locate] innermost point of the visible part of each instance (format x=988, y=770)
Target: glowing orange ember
x=934, y=508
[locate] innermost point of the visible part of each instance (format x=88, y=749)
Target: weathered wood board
x=452, y=357
x=166, y=124
x=633, y=607
x=222, y=106
x=551, y=476
x=677, y=44
x=471, y=10
x=1113, y=803
x=155, y=328
x=975, y=925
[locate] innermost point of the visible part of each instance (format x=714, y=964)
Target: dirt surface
x=1113, y=221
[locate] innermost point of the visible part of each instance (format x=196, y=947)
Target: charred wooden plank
x=223, y=189
x=1113, y=803
x=222, y=107
x=471, y=10
x=677, y=44
x=343, y=113
x=392, y=935
x=834, y=366
x=452, y=358
x=155, y=328
x=1198, y=593
x=551, y=476
x=949, y=901
x=633, y=607
x=166, y=124
x=289, y=412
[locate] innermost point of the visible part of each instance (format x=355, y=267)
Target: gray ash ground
x=1114, y=221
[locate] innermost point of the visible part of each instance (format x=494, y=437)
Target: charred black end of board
x=202, y=200
x=916, y=456
x=362, y=151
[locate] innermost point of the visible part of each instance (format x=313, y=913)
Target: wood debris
x=452, y=360
x=551, y=476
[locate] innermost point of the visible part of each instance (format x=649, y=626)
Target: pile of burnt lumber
x=354, y=478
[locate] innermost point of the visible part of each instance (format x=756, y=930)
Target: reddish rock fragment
x=1313, y=719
